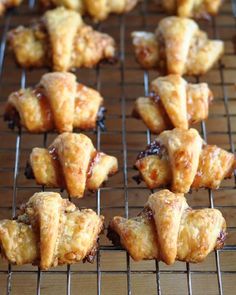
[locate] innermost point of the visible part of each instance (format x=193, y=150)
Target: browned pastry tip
x=192, y=8
x=50, y=231
x=173, y=102
x=71, y=162
x=169, y=230
x=62, y=41
x=58, y=103
x=178, y=46
x=98, y=10
x=179, y=159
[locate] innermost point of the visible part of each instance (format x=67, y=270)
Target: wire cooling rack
x=113, y=272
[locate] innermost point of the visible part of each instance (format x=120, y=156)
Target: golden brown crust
x=215, y=164
x=60, y=40
x=50, y=231
x=87, y=106
x=177, y=34
x=205, y=232
x=45, y=169
x=155, y=169
x=74, y=152
x=171, y=207
x=184, y=148
x=72, y=162
x=60, y=89
x=91, y=47
x=99, y=9
x=203, y=53
x=172, y=92
x=30, y=46
x=192, y=8
x=178, y=47
x=18, y=243
x=57, y=102
x=173, y=103
x=199, y=96
x=168, y=230
x=184, y=164
x=62, y=26
x=146, y=49
x=152, y=112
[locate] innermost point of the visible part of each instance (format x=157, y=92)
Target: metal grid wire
x=123, y=150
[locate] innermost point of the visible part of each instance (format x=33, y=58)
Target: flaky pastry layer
x=57, y=102
x=178, y=46
x=181, y=160
x=50, y=231
x=61, y=41
x=192, y=8
x=173, y=103
x=169, y=230
x=99, y=9
x=71, y=162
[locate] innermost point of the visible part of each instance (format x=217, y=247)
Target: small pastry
x=57, y=102
x=177, y=47
x=180, y=159
x=61, y=41
x=71, y=162
x=50, y=231
x=192, y=8
x=173, y=103
x=6, y=4
x=99, y=9
x=168, y=230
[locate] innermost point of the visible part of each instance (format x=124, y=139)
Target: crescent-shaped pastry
x=50, y=231
x=177, y=47
x=98, y=9
x=6, y=4
x=180, y=159
x=61, y=41
x=192, y=8
x=168, y=230
x=173, y=103
x=71, y=162
x=57, y=102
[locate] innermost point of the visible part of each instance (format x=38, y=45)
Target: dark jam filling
x=135, y=114
x=154, y=96
x=92, y=254
x=221, y=239
x=95, y=159
x=234, y=43
x=145, y=53
x=13, y=118
x=29, y=174
x=203, y=15
x=53, y=153
x=38, y=91
x=110, y=60
x=146, y=213
x=137, y=178
x=162, y=64
x=154, y=148
x=101, y=118
x=113, y=237
x=57, y=167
